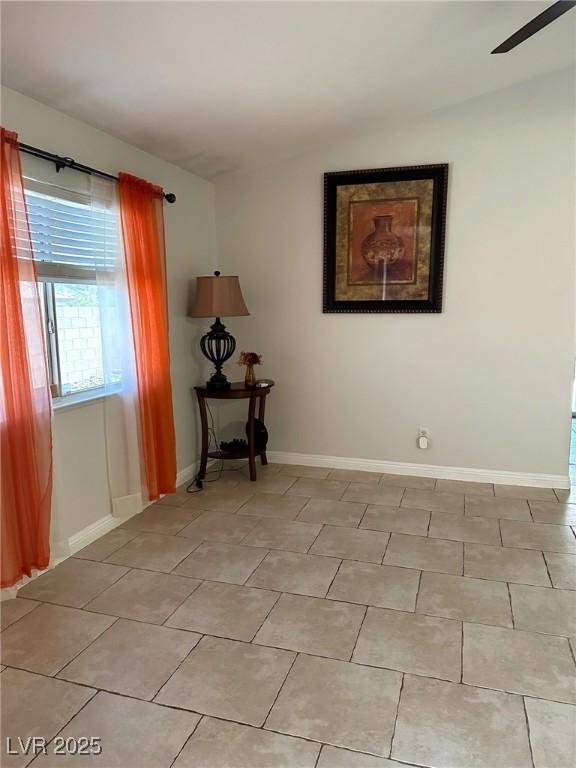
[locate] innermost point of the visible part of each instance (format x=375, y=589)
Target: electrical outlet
x=423, y=441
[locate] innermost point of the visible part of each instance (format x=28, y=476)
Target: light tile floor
x=315, y=618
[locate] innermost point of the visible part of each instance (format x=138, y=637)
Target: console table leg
x=261, y=412
x=204, y=448
x=251, y=439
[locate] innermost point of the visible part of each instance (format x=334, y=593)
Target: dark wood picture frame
x=438, y=175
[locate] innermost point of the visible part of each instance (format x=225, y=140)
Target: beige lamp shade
x=218, y=296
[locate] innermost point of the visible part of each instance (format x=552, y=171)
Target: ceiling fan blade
x=535, y=25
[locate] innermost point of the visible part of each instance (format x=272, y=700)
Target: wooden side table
x=237, y=391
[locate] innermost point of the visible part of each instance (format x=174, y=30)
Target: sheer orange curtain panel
x=142, y=217
x=25, y=404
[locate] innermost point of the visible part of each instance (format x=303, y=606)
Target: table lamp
x=218, y=296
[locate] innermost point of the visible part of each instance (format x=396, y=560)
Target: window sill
x=80, y=399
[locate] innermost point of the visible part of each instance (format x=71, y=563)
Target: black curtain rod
x=68, y=162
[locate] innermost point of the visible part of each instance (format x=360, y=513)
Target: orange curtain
x=142, y=216
x=25, y=405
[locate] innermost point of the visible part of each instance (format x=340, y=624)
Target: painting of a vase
x=384, y=239
x=382, y=247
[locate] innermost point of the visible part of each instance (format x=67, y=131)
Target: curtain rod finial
x=170, y=197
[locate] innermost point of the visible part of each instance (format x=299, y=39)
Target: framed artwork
x=384, y=239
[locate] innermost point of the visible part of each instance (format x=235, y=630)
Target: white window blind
x=77, y=250
x=71, y=237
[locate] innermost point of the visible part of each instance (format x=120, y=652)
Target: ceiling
x=219, y=86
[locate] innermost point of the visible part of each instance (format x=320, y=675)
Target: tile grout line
x=13, y=623
x=118, y=528
x=274, y=604
x=298, y=516
x=525, y=710
x=318, y=755
x=155, y=570
x=144, y=621
x=334, y=577
x=365, y=614
x=296, y=655
x=193, y=731
x=253, y=571
x=510, y=603
x=322, y=526
x=341, y=497
x=387, y=544
x=196, y=644
x=418, y=592
x=362, y=516
x=261, y=728
x=190, y=652
x=202, y=581
x=90, y=644
x=547, y=568
x=572, y=650
x=309, y=739
x=127, y=569
x=397, y=714
x=67, y=723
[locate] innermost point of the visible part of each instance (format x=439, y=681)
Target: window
x=75, y=245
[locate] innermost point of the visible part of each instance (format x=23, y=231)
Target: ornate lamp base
x=218, y=346
x=218, y=381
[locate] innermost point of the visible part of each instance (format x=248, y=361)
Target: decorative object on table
x=250, y=359
x=238, y=391
x=384, y=239
x=218, y=296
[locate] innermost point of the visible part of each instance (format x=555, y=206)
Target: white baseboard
x=69, y=547
x=187, y=474
x=423, y=470
x=65, y=548
x=109, y=522
x=92, y=532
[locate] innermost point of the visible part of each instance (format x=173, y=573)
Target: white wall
x=490, y=376
x=81, y=492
